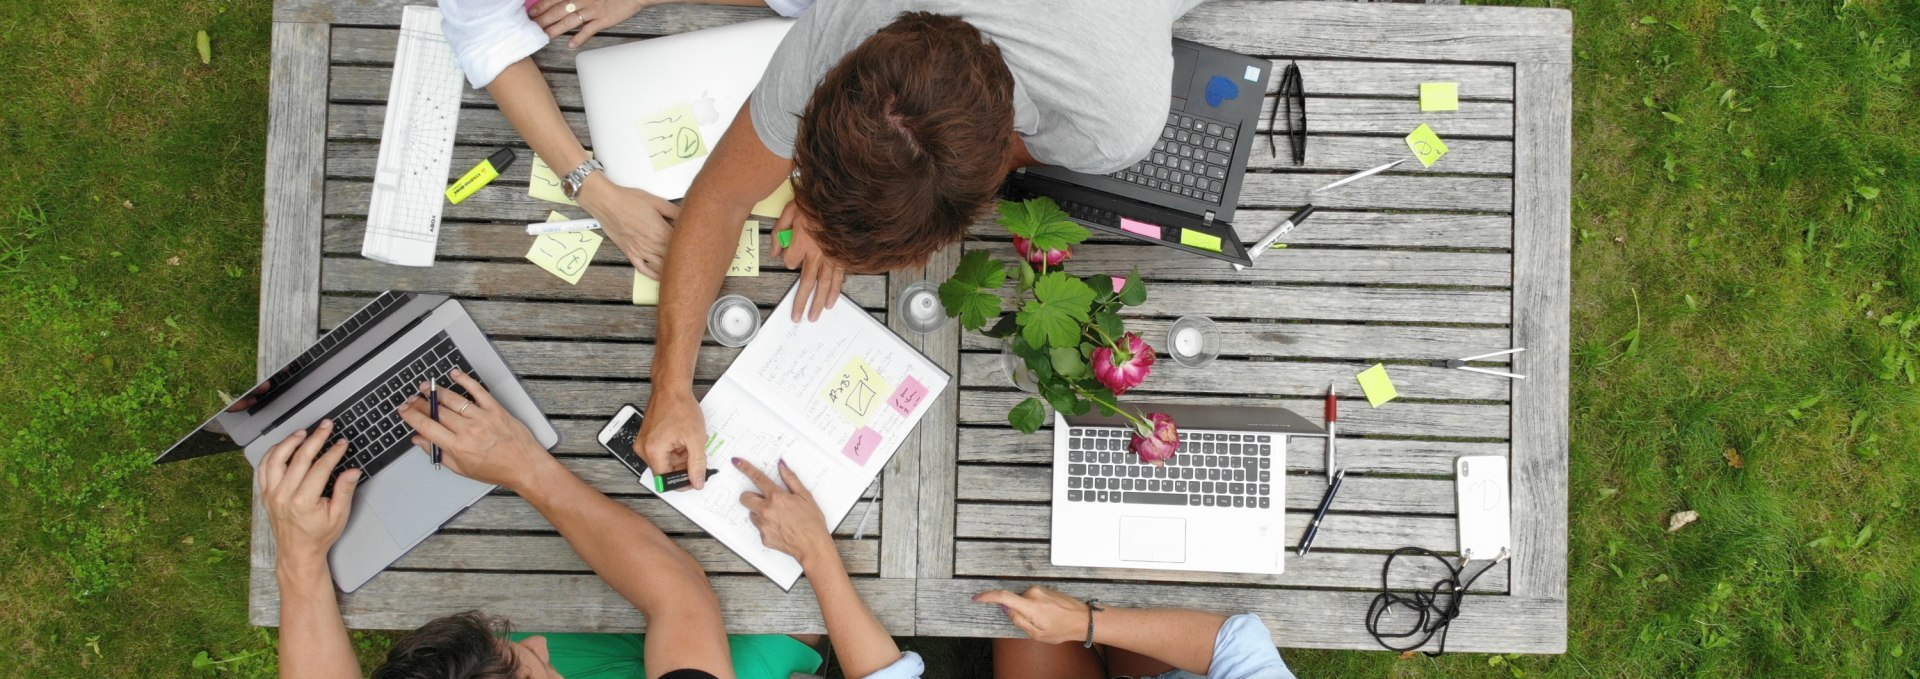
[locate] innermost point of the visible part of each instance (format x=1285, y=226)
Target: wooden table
x=1467, y=257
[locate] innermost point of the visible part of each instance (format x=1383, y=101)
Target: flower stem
x=1115, y=405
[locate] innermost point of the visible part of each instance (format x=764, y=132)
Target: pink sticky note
x=1142, y=228
x=1118, y=283
x=907, y=397
x=862, y=445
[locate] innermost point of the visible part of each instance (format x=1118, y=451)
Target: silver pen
x=1274, y=235
x=1363, y=174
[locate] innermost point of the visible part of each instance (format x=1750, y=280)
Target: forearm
x=523, y=97
x=1179, y=637
x=313, y=637
x=861, y=642
x=700, y=250
x=630, y=553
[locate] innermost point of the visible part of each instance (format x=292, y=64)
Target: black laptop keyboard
x=1210, y=469
x=370, y=420
x=339, y=336
x=1191, y=159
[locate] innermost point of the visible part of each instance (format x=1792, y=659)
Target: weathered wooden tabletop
x=1463, y=258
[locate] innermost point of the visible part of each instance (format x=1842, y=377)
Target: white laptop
x=655, y=108
x=1219, y=505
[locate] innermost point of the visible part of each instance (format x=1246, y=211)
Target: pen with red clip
x=1333, y=415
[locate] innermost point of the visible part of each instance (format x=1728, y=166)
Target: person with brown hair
x=897, y=121
x=685, y=639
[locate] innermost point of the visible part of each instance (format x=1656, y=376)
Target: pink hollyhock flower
x=1121, y=371
x=1040, y=257
x=1161, y=443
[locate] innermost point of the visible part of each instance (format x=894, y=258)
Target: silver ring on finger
x=463, y=408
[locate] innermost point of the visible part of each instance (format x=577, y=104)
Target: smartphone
x=618, y=438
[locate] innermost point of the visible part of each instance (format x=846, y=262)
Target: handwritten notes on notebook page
x=834, y=398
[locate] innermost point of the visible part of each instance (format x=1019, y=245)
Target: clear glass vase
x=1015, y=368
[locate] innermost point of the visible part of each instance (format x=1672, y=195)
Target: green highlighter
x=785, y=238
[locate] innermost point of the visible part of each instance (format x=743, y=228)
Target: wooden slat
x=550, y=554
x=506, y=318
x=552, y=602
x=1343, y=570
x=526, y=281
x=1229, y=376
x=1541, y=323
x=1384, y=31
x=1348, y=228
x=476, y=240
x=1426, y=420
x=507, y=512
x=1322, y=77
x=290, y=241
x=1291, y=265
x=1398, y=118
x=920, y=542
x=1303, y=302
x=1337, y=154
x=1340, y=531
x=1380, y=192
x=610, y=477
x=1024, y=483
x=477, y=125
x=1004, y=445
x=1310, y=340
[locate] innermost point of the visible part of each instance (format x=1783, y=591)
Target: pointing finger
x=759, y=479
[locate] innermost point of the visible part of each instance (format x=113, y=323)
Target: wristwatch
x=578, y=178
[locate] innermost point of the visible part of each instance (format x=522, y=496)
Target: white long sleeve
x=487, y=36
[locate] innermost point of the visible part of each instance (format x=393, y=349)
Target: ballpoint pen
x=433, y=411
x=1363, y=174
x=1266, y=242
x=1333, y=414
x=1313, y=528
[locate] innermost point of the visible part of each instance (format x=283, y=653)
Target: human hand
x=674, y=434
x=637, y=221
x=586, y=16
x=789, y=520
x=820, y=276
x=291, y=477
x=478, y=439
x=1044, y=615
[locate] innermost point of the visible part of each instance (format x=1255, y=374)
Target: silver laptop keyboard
x=370, y=419
x=1210, y=469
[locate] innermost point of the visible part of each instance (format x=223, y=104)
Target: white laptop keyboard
x=1210, y=469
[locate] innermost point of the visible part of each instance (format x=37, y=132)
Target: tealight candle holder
x=1193, y=341
x=733, y=320
x=920, y=308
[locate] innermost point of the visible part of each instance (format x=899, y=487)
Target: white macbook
x=655, y=108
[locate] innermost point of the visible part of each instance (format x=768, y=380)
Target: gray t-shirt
x=1091, y=78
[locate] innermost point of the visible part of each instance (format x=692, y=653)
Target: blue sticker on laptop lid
x=1220, y=89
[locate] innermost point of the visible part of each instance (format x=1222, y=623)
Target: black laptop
x=1182, y=195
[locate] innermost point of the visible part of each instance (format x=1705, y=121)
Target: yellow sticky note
x=775, y=202
x=746, y=258
x=857, y=391
x=1426, y=145
x=646, y=291
x=545, y=185
x=673, y=136
x=1439, y=96
x=565, y=254
x=1378, y=386
x=1199, y=239
x=555, y=216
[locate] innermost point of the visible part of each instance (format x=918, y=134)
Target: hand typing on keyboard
x=291, y=476
x=478, y=439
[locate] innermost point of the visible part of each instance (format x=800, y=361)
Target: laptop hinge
x=1207, y=218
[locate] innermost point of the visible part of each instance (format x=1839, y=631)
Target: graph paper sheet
x=416, y=144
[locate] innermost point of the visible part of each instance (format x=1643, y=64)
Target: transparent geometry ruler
x=416, y=144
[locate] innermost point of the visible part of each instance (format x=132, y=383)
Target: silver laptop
x=1219, y=505
x=358, y=374
x=655, y=108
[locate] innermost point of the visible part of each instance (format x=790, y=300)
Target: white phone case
x=1485, y=509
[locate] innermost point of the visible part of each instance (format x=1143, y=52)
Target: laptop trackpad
x=1156, y=539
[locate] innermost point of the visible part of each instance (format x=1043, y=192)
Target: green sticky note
x=786, y=238
x=1199, y=239
x=1426, y=145
x=1378, y=386
x=673, y=136
x=1439, y=96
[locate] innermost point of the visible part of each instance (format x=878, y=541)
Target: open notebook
x=833, y=397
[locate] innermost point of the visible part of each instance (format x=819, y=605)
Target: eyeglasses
x=1293, y=92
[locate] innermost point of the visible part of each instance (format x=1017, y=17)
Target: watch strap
x=578, y=177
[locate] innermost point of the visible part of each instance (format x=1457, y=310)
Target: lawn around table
x=1746, y=328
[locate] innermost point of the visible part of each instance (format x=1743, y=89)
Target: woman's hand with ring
x=584, y=17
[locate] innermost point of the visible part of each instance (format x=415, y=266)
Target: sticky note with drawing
x=673, y=136
x=1426, y=145
x=565, y=254
x=545, y=185
x=856, y=390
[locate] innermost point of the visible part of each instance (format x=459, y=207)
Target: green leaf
x=1670, y=116
x=1067, y=362
x=1135, y=291
x=1649, y=20
x=965, y=300
x=1860, y=539
x=978, y=267
x=1042, y=221
x=205, y=45
x=1111, y=324
x=201, y=660
x=1027, y=416
x=1100, y=396
x=1868, y=192
x=1024, y=271
x=1062, y=398
x=1055, y=315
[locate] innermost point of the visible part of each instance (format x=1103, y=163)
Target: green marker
x=785, y=238
x=480, y=176
x=676, y=480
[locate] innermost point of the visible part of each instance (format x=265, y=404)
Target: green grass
x=1745, y=279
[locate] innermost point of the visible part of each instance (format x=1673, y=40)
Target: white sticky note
x=1253, y=74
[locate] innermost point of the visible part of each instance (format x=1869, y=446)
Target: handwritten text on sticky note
x=565, y=254
x=672, y=135
x=907, y=397
x=1439, y=96
x=860, y=448
x=746, y=258
x=545, y=185
x=1426, y=145
x=856, y=390
x=1378, y=386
